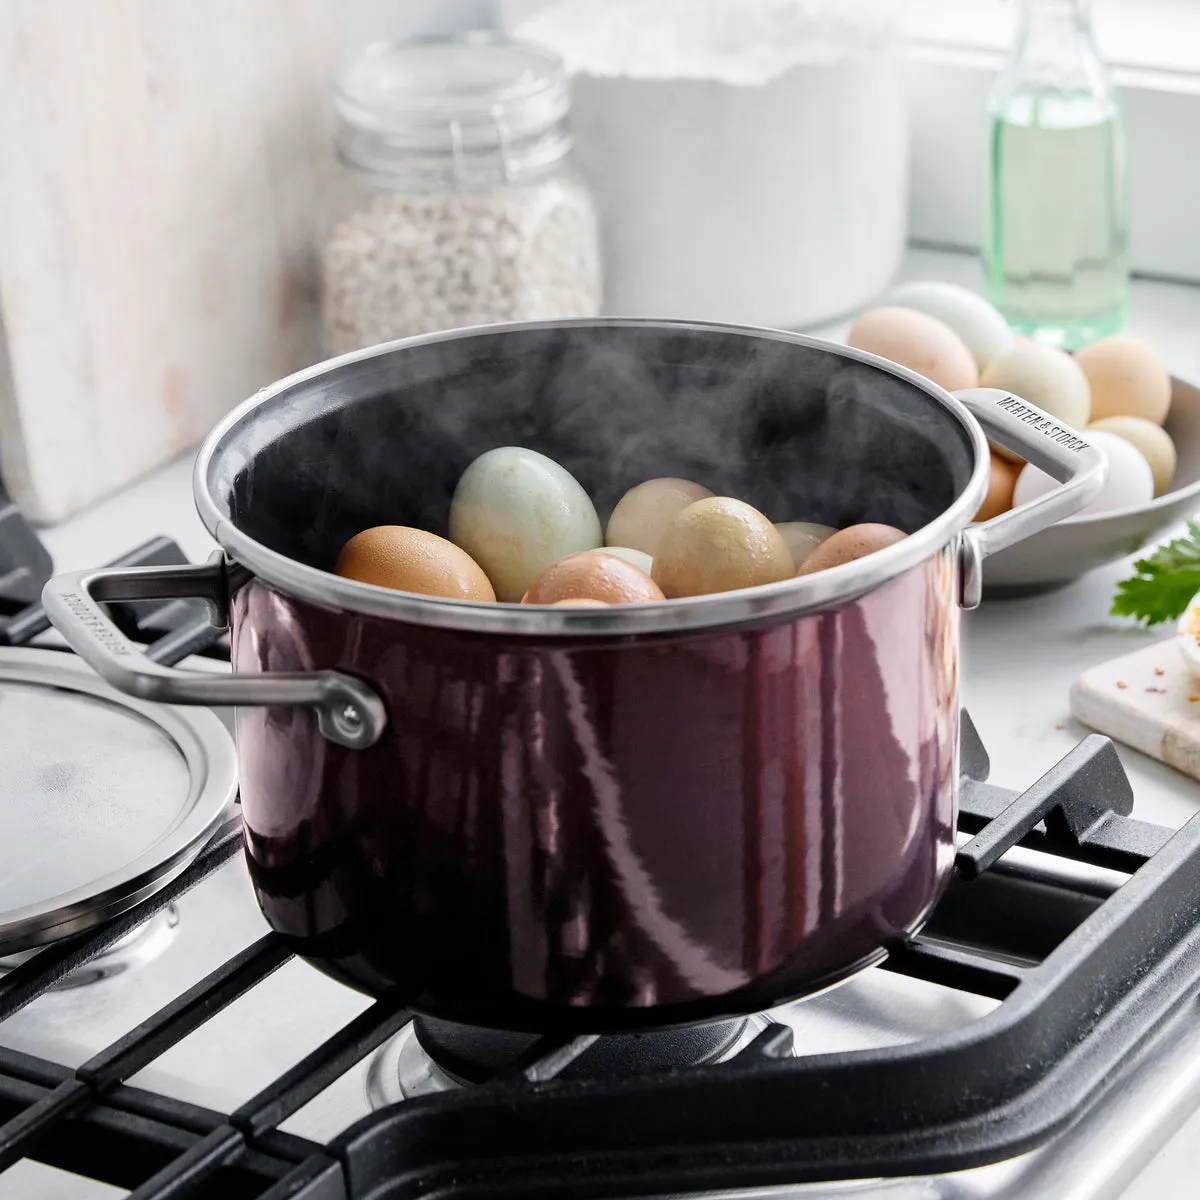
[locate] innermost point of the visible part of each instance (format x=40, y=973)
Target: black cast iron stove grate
x=1084, y=974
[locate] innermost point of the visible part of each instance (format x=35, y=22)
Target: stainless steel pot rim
x=789, y=598
x=211, y=763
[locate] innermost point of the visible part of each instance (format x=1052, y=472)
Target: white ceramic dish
x=1065, y=551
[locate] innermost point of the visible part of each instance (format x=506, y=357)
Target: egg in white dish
x=1130, y=482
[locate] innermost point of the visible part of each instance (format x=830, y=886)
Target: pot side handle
x=1047, y=443
x=348, y=712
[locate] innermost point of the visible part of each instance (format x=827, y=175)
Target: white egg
x=979, y=324
x=803, y=537
x=639, y=558
x=1130, y=482
x=515, y=512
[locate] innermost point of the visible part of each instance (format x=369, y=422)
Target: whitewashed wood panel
x=161, y=163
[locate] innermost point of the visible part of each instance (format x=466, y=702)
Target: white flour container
x=749, y=157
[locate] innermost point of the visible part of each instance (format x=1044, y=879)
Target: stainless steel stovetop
x=1126, y=1148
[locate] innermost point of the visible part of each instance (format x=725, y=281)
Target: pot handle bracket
x=1044, y=441
x=348, y=712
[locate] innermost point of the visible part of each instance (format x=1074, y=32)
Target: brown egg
x=855, y=541
x=718, y=545
x=644, y=512
x=411, y=560
x=581, y=603
x=1127, y=379
x=999, y=498
x=919, y=342
x=593, y=575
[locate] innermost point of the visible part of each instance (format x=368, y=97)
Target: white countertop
x=1021, y=655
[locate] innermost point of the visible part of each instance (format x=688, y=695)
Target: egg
x=803, y=537
x=638, y=558
x=999, y=498
x=412, y=560
x=515, y=512
x=1153, y=441
x=580, y=603
x=644, y=512
x=855, y=541
x=980, y=325
x=1044, y=376
x=1127, y=379
x=1129, y=484
x=917, y=341
x=593, y=575
x=1187, y=637
x=717, y=545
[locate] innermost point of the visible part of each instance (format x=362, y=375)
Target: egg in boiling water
x=638, y=558
x=413, y=560
x=855, y=541
x=718, y=545
x=644, y=512
x=593, y=575
x=515, y=512
x=1130, y=482
x=803, y=537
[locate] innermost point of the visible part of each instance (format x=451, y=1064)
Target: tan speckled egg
x=999, y=498
x=718, y=545
x=412, y=560
x=582, y=602
x=1153, y=442
x=1127, y=379
x=920, y=342
x=593, y=575
x=855, y=541
x=1045, y=376
x=644, y=512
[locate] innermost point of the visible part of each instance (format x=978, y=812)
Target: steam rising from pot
x=795, y=430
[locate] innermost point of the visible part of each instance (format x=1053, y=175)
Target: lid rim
x=210, y=759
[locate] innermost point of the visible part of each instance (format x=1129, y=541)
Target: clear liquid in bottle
x=1057, y=258
x=1056, y=244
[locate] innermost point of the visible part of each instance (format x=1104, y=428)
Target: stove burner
x=139, y=946
x=429, y=1055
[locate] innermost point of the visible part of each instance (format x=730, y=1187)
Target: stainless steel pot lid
x=105, y=798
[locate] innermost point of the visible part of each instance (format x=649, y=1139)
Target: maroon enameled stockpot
x=593, y=820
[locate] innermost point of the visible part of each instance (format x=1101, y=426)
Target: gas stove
x=1039, y=1038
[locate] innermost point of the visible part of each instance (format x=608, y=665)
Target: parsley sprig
x=1164, y=583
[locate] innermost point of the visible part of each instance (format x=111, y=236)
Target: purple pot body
x=593, y=834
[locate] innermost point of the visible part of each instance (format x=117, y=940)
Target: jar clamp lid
x=474, y=110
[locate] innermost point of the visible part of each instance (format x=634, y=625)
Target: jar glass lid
x=481, y=103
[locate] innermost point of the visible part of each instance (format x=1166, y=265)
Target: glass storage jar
x=455, y=202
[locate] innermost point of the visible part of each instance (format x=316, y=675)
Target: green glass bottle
x=1056, y=244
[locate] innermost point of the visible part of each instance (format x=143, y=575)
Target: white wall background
x=1155, y=45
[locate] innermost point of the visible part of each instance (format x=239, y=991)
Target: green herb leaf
x=1164, y=583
